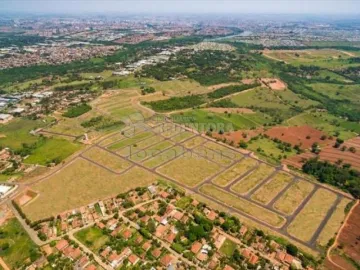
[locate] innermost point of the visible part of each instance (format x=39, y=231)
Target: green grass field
x=21, y=248
x=53, y=150
x=92, y=237
x=228, y=248
x=339, y=92
x=15, y=133
x=327, y=123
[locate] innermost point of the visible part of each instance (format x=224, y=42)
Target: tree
x=292, y=250
x=243, y=144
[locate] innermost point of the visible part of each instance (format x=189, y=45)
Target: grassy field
x=212, y=155
x=269, y=149
x=325, y=58
x=21, y=247
x=15, y=133
x=81, y=183
x=182, y=136
x=243, y=205
x=115, y=163
x=223, y=150
x=327, y=123
x=310, y=217
x=194, y=142
x=203, y=120
x=334, y=223
x=130, y=141
x=249, y=182
x=183, y=202
x=164, y=156
x=126, y=151
x=179, y=87
x=151, y=151
x=270, y=189
x=338, y=92
x=51, y=150
x=92, y=237
x=292, y=198
x=226, y=177
x=189, y=169
x=228, y=248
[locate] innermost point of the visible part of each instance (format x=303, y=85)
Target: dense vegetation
x=343, y=177
x=228, y=90
x=177, y=103
x=77, y=110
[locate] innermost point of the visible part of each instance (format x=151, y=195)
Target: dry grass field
x=126, y=151
x=270, y=189
x=234, y=172
x=182, y=136
x=189, y=169
x=81, y=183
x=310, y=217
x=111, y=161
x=192, y=143
x=225, y=151
x=113, y=138
x=164, y=156
x=334, y=223
x=243, y=205
x=130, y=141
x=249, y=182
x=212, y=155
x=151, y=151
x=293, y=197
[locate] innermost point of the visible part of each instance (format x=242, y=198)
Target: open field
x=228, y=248
x=327, y=123
x=92, y=237
x=326, y=58
x=212, y=155
x=189, y=169
x=293, y=197
x=310, y=217
x=334, y=223
x=194, y=142
x=225, y=151
x=151, y=151
x=21, y=249
x=130, y=141
x=180, y=87
x=81, y=182
x=182, y=136
x=250, y=181
x=17, y=131
x=104, y=158
x=242, y=205
x=234, y=172
x=164, y=156
x=53, y=150
x=338, y=92
x=133, y=148
x=270, y=189
x=304, y=136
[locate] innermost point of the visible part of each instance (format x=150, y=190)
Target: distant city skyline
x=185, y=6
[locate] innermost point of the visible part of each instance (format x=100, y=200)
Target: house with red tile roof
x=146, y=246
x=133, y=259
x=196, y=246
x=127, y=234
x=62, y=244
x=156, y=252
x=166, y=260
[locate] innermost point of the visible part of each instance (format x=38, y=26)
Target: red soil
x=297, y=161
x=304, y=136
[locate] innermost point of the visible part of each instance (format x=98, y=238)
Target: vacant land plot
x=52, y=150
x=189, y=170
x=243, y=205
x=293, y=197
x=81, y=183
x=237, y=170
x=196, y=141
x=92, y=237
x=223, y=150
x=151, y=151
x=273, y=83
x=334, y=222
x=252, y=180
x=304, y=136
x=212, y=155
x=338, y=92
x=136, y=147
x=113, y=138
x=228, y=248
x=15, y=133
x=180, y=87
x=104, y=158
x=327, y=123
x=164, y=156
x=130, y=141
x=21, y=249
x=182, y=136
x=310, y=217
x=270, y=189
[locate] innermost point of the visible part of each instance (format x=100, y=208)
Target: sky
x=183, y=6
